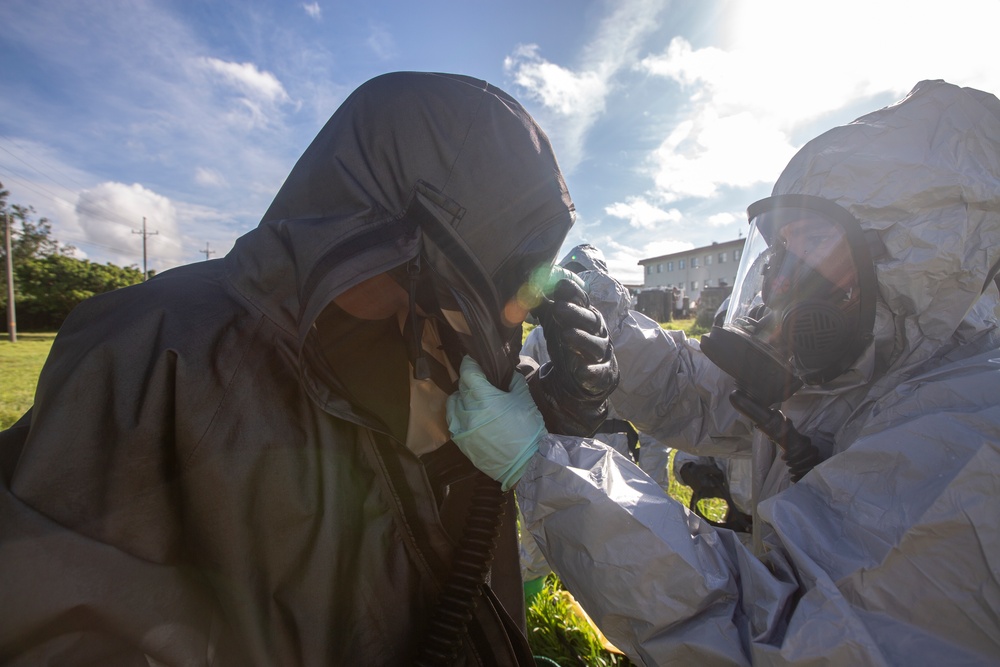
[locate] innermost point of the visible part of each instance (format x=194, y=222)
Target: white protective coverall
x=888, y=552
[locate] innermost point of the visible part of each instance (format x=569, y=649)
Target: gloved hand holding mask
x=497, y=430
x=572, y=389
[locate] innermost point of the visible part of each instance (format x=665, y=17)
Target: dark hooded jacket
x=194, y=486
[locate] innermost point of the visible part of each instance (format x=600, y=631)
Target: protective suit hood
x=584, y=257
x=925, y=174
x=344, y=213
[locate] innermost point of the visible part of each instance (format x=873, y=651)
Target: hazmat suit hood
x=411, y=161
x=924, y=174
x=584, y=257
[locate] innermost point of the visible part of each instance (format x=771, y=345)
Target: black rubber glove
x=705, y=479
x=708, y=481
x=572, y=389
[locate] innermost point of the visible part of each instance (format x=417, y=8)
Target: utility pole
x=206, y=251
x=145, y=235
x=12, y=316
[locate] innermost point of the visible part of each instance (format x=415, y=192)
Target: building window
x=694, y=285
x=722, y=258
x=659, y=268
x=737, y=254
x=670, y=266
x=694, y=262
x=680, y=264
x=649, y=269
x=708, y=260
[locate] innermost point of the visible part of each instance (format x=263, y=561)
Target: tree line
x=48, y=280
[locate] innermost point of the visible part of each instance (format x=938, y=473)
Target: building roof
x=694, y=251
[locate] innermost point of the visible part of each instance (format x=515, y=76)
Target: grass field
x=557, y=628
x=20, y=364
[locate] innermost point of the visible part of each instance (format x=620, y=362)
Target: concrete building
x=692, y=270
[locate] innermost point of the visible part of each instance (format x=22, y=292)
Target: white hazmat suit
x=886, y=553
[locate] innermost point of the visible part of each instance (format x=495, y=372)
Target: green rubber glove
x=497, y=430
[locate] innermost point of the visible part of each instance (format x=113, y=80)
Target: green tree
x=49, y=282
x=51, y=286
x=29, y=238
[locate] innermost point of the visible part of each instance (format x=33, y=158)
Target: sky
x=668, y=118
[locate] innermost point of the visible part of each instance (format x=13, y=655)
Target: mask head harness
x=803, y=307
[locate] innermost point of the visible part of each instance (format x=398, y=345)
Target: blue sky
x=668, y=118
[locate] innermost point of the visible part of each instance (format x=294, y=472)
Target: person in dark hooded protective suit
x=245, y=461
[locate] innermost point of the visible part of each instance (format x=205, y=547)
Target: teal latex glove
x=497, y=430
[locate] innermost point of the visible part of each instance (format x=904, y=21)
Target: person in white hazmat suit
x=653, y=457
x=886, y=233
x=588, y=260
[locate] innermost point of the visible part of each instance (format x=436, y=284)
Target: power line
x=16, y=232
x=71, y=238
x=47, y=164
x=43, y=190
x=113, y=214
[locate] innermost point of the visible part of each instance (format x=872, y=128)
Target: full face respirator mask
x=803, y=306
x=481, y=314
x=801, y=312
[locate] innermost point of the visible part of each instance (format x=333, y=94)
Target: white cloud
x=209, y=177
x=245, y=77
x=576, y=97
x=786, y=64
x=259, y=93
x=561, y=90
x=723, y=219
x=111, y=215
x=641, y=214
x=710, y=151
x=313, y=9
x=381, y=43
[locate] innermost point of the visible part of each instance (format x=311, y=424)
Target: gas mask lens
x=802, y=296
x=803, y=303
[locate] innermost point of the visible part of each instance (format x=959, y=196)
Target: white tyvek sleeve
x=535, y=347
x=668, y=389
x=663, y=585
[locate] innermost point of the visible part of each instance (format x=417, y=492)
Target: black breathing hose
x=798, y=451
x=469, y=569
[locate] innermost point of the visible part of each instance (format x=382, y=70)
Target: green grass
x=688, y=326
x=560, y=631
x=20, y=364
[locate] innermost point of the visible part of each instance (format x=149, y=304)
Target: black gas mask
x=481, y=313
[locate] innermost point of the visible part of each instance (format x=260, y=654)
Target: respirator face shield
x=803, y=306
